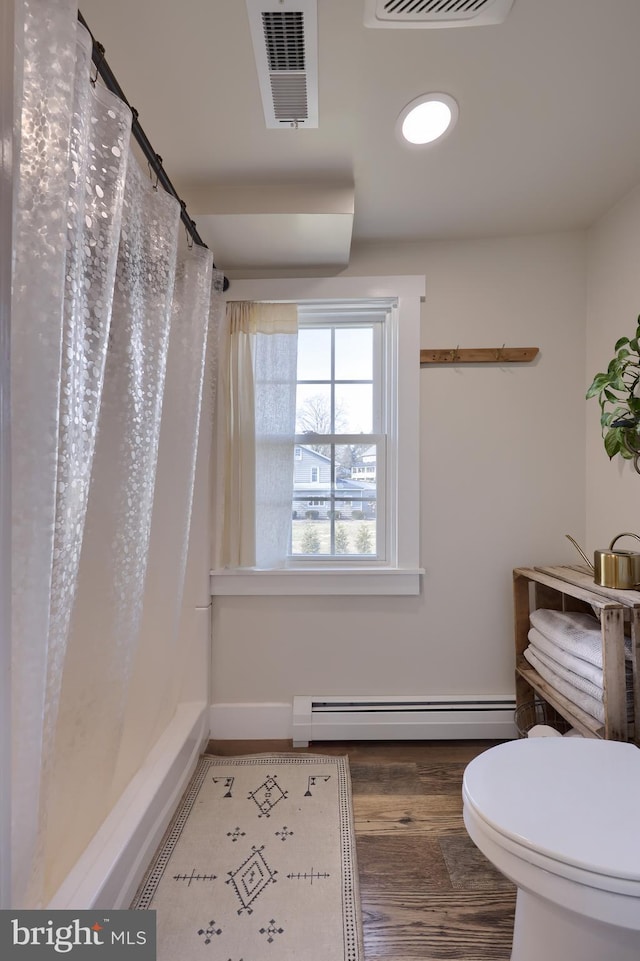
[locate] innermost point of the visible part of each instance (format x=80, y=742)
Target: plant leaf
x=625, y=452
x=599, y=382
x=606, y=418
x=612, y=442
x=621, y=342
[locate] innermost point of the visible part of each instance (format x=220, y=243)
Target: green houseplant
x=616, y=390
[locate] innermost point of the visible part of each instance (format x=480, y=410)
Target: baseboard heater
x=317, y=718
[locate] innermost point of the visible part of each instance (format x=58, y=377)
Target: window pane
x=354, y=403
x=354, y=353
x=313, y=409
x=311, y=536
x=340, y=518
x=312, y=484
x=314, y=354
x=354, y=460
x=356, y=537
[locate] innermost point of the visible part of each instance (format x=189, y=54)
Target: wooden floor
x=426, y=890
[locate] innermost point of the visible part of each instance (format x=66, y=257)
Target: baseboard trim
x=111, y=867
x=260, y=721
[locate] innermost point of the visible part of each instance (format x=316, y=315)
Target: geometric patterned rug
x=259, y=862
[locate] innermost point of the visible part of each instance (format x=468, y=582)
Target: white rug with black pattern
x=259, y=863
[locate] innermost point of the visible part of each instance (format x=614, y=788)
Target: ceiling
x=548, y=136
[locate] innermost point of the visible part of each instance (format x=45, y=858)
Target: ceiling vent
x=285, y=46
x=435, y=13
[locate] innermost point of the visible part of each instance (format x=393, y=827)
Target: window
x=355, y=456
x=342, y=419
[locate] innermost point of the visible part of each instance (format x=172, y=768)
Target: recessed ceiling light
x=427, y=118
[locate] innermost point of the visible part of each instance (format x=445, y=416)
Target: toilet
x=560, y=818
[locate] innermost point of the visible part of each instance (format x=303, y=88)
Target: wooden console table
x=573, y=589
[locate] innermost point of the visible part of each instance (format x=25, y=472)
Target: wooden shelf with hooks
x=478, y=355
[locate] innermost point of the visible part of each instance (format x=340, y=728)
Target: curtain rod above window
x=154, y=159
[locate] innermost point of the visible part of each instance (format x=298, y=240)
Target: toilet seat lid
x=572, y=799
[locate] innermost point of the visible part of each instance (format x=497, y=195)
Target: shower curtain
x=109, y=327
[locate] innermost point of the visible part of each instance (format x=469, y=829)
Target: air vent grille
x=435, y=13
x=284, y=36
x=289, y=97
x=438, y=7
x=284, y=40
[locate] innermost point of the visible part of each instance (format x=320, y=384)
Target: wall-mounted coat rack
x=478, y=355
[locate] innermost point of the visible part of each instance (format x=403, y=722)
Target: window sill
x=354, y=581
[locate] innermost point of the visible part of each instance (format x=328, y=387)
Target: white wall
x=612, y=487
x=502, y=480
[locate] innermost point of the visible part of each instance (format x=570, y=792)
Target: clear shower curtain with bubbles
x=94, y=295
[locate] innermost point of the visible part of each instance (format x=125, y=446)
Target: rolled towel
x=543, y=730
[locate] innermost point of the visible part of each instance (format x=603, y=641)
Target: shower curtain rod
x=154, y=160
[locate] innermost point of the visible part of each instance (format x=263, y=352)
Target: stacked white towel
x=562, y=660
x=565, y=648
x=576, y=633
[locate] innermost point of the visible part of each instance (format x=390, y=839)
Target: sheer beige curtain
x=255, y=434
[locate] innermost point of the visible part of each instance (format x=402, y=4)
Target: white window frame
x=400, y=573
